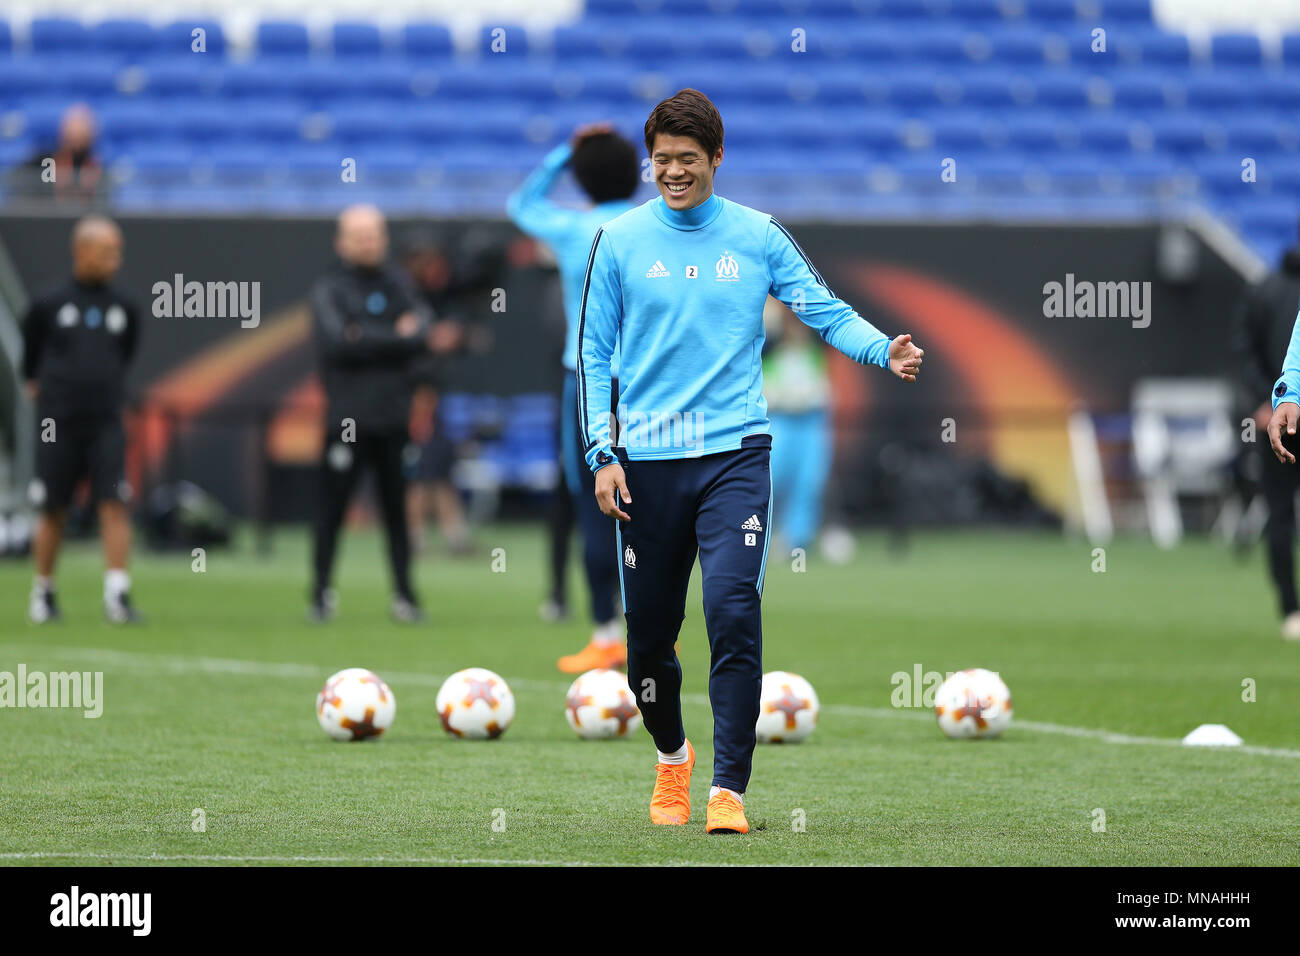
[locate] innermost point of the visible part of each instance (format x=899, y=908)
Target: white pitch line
x=177, y=664
x=391, y=860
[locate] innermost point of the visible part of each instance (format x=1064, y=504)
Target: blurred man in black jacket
x=1261, y=333
x=370, y=329
x=78, y=341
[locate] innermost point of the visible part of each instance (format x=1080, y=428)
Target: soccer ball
x=787, y=709
x=355, y=704
x=600, y=705
x=475, y=703
x=973, y=703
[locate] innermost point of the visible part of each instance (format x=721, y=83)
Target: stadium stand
x=1082, y=108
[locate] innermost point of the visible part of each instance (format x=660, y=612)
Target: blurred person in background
x=608, y=170
x=1262, y=330
x=370, y=329
x=431, y=489
x=68, y=171
x=79, y=339
x=798, y=399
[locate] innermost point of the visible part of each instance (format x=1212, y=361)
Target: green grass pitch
x=208, y=706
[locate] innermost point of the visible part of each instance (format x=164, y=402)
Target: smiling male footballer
x=679, y=283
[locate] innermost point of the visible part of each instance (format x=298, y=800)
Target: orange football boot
x=725, y=814
x=670, y=805
x=606, y=656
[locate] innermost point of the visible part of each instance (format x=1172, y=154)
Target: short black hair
x=690, y=113
x=606, y=167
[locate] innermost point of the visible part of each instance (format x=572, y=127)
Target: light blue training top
x=1287, y=387
x=682, y=294
x=566, y=230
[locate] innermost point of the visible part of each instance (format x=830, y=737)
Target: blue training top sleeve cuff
x=1283, y=394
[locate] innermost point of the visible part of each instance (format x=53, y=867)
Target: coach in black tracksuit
x=1261, y=333
x=78, y=339
x=369, y=330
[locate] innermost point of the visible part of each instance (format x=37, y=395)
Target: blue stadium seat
x=1257, y=131
x=1061, y=90
x=1279, y=91
x=999, y=173
x=960, y=131
x=605, y=82
x=58, y=35
x=912, y=89
x=1162, y=48
x=252, y=80
x=514, y=37
x=1280, y=175
x=85, y=77
x=125, y=122
x=379, y=79
x=272, y=122
x=514, y=80
x=1291, y=49
x=205, y=121
x=367, y=122
x=1079, y=173
x=1236, y=50
x=588, y=39
x=1178, y=133
x=975, y=11
x=1056, y=12
x=904, y=9
x=1268, y=218
x=176, y=76
x=1016, y=45
x=1152, y=173
x=350, y=38
x=1036, y=132
x=872, y=45
x=178, y=37
x=6, y=37
x=318, y=83
x=943, y=44
x=22, y=77
x=242, y=164
x=1105, y=133
x=877, y=131
x=991, y=89
x=161, y=163
x=1219, y=90
x=282, y=38
x=1140, y=89
x=42, y=115
x=1126, y=11
x=721, y=42
x=1218, y=176
x=125, y=36
x=427, y=41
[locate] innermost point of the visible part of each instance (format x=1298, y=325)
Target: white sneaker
x=1291, y=626
x=42, y=606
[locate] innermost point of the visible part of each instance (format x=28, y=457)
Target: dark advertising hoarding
x=1019, y=324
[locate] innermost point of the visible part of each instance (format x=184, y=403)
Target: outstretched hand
x=905, y=358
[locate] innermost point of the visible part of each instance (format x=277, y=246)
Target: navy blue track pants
x=599, y=559
x=716, y=506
